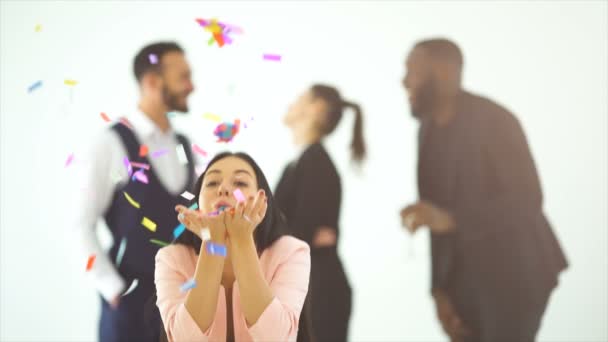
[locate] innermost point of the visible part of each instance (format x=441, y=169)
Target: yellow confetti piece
x=38, y=28
x=133, y=203
x=70, y=82
x=212, y=117
x=148, y=224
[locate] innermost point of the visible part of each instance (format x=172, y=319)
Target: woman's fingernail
x=180, y=216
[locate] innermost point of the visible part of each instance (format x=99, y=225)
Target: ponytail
x=357, y=145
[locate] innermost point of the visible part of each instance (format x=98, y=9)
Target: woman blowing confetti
x=234, y=274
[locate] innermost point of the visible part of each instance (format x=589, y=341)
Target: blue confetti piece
x=190, y=284
x=179, y=230
x=121, y=251
x=34, y=86
x=194, y=206
x=216, y=249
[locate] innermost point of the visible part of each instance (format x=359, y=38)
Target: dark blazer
x=502, y=236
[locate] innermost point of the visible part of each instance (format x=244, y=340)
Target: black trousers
x=501, y=311
x=134, y=320
x=331, y=296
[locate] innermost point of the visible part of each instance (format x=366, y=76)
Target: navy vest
x=156, y=204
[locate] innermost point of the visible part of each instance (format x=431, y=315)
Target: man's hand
x=426, y=214
x=450, y=321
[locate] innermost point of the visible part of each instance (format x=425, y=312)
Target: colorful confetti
x=146, y=222
x=181, y=154
x=133, y=203
x=69, y=160
x=216, y=249
x=70, y=82
x=143, y=150
x=269, y=57
x=105, y=117
x=194, y=206
x=153, y=58
x=238, y=194
x=219, y=31
x=199, y=150
x=132, y=287
x=160, y=243
x=225, y=132
x=38, y=28
x=159, y=153
x=90, y=262
x=127, y=164
x=187, y=195
x=34, y=86
x=179, y=230
x=190, y=284
x=121, y=251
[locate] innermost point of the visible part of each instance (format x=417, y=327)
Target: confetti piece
x=38, y=28
x=269, y=57
x=146, y=222
x=160, y=243
x=121, y=251
x=187, y=195
x=90, y=262
x=211, y=41
x=171, y=114
x=69, y=160
x=225, y=132
x=140, y=165
x=212, y=117
x=132, y=287
x=181, y=154
x=159, y=153
x=141, y=176
x=153, y=58
x=34, y=86
x=205, y=234
x=216, y=249
x=193, y=206
x=105, y=117
x=190, y=284
x=179, y=230
x=127, y=164
x=238, y=194
x=199, y=150
x=133, y=203
x=70, y=82
x=126, y=123
x=143, y=150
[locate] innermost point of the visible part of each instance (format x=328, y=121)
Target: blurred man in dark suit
x=495, y=258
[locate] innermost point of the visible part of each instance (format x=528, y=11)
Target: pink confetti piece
x=141, y=166
x=238, y=194
x=69, y=160
x=127, y=164
x=141, y=176
x=199, y=150
x=269, y=57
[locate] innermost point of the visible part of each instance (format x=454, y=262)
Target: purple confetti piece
x=69, y=160
x=159, y=153
x=141, y=176
x=128, y=166
x=269, y=57
x=153, y=58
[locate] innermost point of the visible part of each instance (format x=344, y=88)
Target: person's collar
x=144, y=125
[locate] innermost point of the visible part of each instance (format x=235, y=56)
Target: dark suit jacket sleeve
x=317, y=195
x=513, y=184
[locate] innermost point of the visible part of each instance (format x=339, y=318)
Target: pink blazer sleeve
x=289, y=285
x=168, y=277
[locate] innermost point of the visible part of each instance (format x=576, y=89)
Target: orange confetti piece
x=90, y=262
x=105, y=117
x=219, y=39
x=143, y=150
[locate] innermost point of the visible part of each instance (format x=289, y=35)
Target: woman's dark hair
x=272, y=227
x=336, y=106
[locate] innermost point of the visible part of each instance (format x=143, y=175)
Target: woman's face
x=307, y=111
x=222, y=179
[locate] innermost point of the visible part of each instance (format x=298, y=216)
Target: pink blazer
x=286, y=267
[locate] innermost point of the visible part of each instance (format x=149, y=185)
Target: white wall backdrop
x=546, y=61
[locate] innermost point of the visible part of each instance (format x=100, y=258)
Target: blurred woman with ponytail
x=309, y=194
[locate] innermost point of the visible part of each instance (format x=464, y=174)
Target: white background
x=546, y=61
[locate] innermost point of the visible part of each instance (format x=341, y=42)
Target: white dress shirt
x=100, y=171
